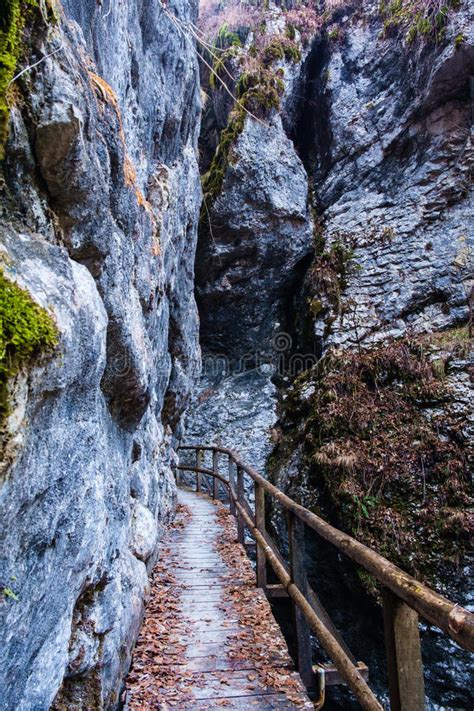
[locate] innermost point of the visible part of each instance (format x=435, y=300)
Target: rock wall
x=372, y=140
x=260, y=233
x=255, y=236
x=99, y=202
x=389, y=157
x=375, y=130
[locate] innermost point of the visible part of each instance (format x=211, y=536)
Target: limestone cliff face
x=389, y=156
x=100, y=202
x=256, y=231
x=372, y=133
x=260, y=234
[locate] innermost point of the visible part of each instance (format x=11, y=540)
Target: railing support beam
x=403, y=649
x=260, y=524
x=299, y=578
x=215, y=469
x=232, y=487
x=241, y=500
x=199, y=454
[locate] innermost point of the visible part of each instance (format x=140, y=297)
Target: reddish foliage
x=384, y=456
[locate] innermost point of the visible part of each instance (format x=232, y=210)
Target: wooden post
x=240, y=499
x=215, y=469
x=232, y=483
x=403, y=649
x=260, y=524
x=198, y=466
x=299, y=578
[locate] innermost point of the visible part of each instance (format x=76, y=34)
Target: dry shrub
x=235, y=15
x=384, y=455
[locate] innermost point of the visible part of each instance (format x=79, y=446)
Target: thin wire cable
x=184, y=27
x=219, y=79
x=32, y=66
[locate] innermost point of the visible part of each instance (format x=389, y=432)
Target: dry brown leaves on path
x=209, y=639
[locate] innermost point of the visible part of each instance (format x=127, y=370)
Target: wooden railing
x=404, y=598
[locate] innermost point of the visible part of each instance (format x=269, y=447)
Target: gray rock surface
x=99, y=204
x=238, y=411
x=99, y=208
x=390, y=156
x=261, y=233
x=383, y=130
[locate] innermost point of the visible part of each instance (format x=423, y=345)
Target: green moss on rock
x=258, y=92
x=219, y=66
x=419, y=19
x=26, y=331
x=212, y=180
x=15, y=15
x=333, y=265
x=281, y=48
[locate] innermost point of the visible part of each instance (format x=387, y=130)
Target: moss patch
x=12, y=21
x=15, y=15
x=212, y=180
x=384, y=458
x=26, y=331
x=258, y=90
x=281, y=48
x=258, y=93
x=328, y=276
x=420, y=19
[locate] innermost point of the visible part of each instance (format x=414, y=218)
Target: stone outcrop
x=100, y=203
x=389, y=156
x=254, y=245
x=378, y=131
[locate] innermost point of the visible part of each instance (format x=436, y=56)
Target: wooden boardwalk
x=209, y=640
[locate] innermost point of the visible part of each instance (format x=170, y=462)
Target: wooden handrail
x=453, y=619
x=403, y=596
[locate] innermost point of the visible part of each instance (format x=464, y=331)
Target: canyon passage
x=236, y=313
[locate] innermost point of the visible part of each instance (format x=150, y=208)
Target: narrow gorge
x=243, y=224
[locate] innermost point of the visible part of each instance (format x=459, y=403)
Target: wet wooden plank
x=267, y=702
x=219, y=660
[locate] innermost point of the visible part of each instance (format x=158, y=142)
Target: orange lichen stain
x=131, y=181
x=108, y=95
x=155, y=242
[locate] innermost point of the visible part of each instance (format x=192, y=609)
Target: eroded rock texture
x=374, y=134
x=389, y=155
x=99, y=214
x=250, y=259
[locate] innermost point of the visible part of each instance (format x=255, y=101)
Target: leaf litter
x=160, y=677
